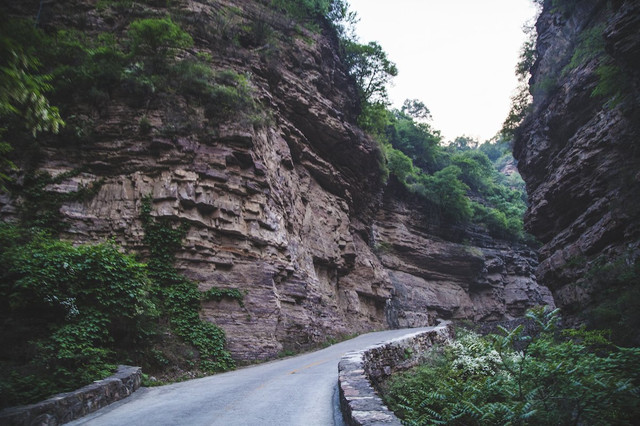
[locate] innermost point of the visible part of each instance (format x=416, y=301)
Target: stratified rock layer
x=577, y=151
x=446, y=273
x=281, y=207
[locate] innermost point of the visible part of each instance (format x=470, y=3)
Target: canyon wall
x=578, y=148
x=444, y=271
x=289, y=208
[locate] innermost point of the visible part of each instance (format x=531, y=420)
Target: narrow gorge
x=247, y=138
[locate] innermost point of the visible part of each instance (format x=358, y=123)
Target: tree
x=22, y=92
x=464, y=143
x=521, y=100
x=416, y=109
x=399, y=164
x=418, y=140
x=304, y=9
x=343, y=20
x=21, y=88
x=476, y=168
x=447, y=192
x=157, y=38
x=371, y=68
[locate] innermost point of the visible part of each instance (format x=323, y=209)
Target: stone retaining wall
x=68, y=406
x=359, y=373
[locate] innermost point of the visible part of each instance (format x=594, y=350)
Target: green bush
x=153, y=37
x=224, y=93
x=71, y=313
x=304, y=9
x=416, y=139
x=372, y=70
x=476, y=169
x=233, y=95
x=399, y=164
x=447, y=193
x=68, y=312
x=22, y=88
x=81, y=64
x=374, y=119
x=545, y=377
x=448, y=177
x=157, y=41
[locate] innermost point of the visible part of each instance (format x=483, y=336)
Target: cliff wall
x=282, y=202
x=279, y=209
x=578, y=148
x=448, y=272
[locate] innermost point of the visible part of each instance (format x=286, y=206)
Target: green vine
x=179, y=297
x=218, y=294
x=40, y=207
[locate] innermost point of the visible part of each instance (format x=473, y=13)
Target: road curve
x=296, y=391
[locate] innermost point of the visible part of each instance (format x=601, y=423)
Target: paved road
x=297, y=391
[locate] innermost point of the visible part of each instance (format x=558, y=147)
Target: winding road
x=296, y=391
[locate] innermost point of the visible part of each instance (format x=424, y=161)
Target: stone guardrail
x=359, y=372
x=64, y=407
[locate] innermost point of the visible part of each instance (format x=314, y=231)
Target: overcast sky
x=457, y=56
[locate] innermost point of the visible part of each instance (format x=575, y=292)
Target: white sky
x=456, y=56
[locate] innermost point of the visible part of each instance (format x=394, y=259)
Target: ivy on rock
x=179, y=297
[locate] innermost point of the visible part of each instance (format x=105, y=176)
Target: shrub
x=546, y=377
x=476, y=169
x=416, y=139
x=304, y=9
x=22, y=88
x=70, y=311
x=232, y=96
x=372, y=70
x=153, y=37
x=445, y=191
x=81, y=64
x=399, y=164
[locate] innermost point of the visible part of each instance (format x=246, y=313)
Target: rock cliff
x=447, y=272
x=578, y=148
x=286, y=208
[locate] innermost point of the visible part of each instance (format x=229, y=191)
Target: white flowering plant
x=541, y=376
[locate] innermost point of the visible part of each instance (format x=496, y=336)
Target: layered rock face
x=284, y=210
x=281, y=210
x=450, y=273
x=578, y=149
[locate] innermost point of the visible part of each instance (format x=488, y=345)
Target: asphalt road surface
x=296, y=391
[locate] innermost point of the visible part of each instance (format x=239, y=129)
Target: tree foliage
x=416, y=109
x=22, y=89
x=521, y=100
x=371, y=68
x=458, y=182
x=446, y=191
x=157, y=37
